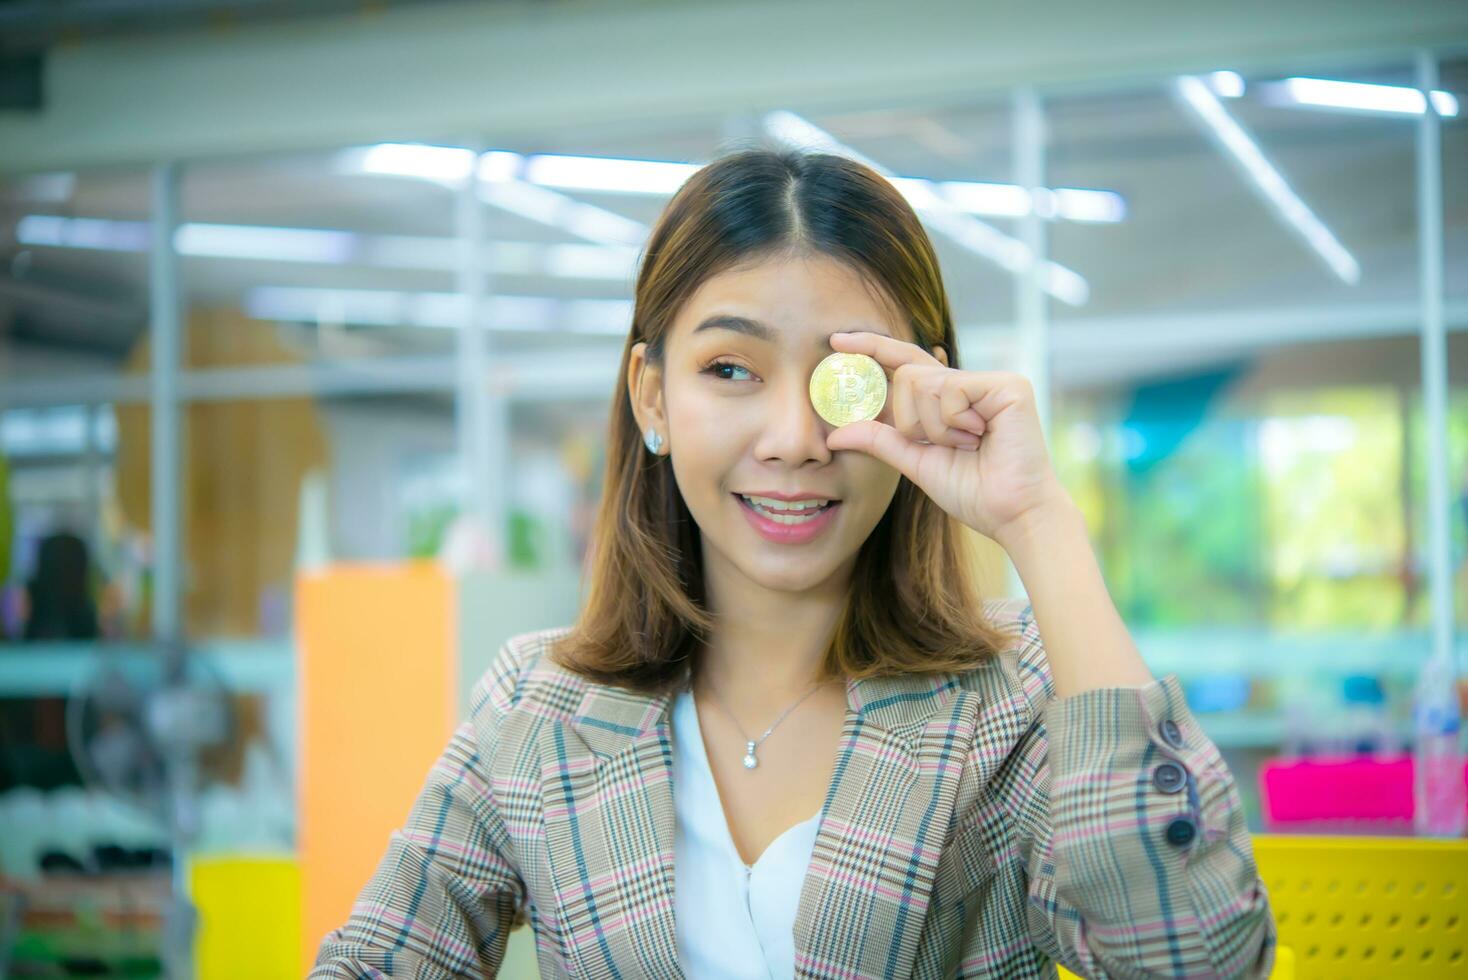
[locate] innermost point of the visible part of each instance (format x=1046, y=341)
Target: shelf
x=258, y=666
x=54, y=669
x=1265, y=653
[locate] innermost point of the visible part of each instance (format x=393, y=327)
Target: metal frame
x=166, y=491
x=483, y=450
x=1031, y=305
x=1434, y=362
x=485, y=384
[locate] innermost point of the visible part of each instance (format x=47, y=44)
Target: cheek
x=710, y=426
x=873, y=483
x=706, y=445
x=697, y=415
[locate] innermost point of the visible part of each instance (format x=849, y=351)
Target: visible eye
x=721, y=365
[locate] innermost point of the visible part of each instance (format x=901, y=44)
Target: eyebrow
x=763, y=331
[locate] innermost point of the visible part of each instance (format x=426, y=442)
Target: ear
x=941, y=354
x=645, y=391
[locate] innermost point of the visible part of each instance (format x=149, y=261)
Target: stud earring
x=653, y=440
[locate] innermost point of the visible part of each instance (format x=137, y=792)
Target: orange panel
x=377, y=667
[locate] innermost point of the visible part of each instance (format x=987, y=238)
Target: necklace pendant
x=749, y=760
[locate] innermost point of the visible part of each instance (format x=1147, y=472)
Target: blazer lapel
x=607, y=793
x=887, y=813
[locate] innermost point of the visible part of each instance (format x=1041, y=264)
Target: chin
x=788, y=574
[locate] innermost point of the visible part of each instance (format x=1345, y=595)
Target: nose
x=792, y=431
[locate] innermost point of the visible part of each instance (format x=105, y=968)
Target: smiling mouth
x=783, y=512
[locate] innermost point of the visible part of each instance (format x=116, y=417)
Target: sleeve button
x=1171, y=733
x=1169, y=777
x=1181, y=831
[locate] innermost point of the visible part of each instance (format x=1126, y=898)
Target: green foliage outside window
x=1283, y=510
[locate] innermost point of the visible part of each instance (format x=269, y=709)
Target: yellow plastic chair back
x=1369, y=906
x=1365, y=906
x=249, y=909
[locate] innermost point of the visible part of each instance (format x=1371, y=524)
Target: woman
x=784, y=743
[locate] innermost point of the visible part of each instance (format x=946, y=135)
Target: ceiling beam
x=519, y=71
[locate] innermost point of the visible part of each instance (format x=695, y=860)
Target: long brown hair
x=913, y=605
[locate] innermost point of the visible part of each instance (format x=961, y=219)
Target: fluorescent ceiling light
x=1084, y=204
x=58, y=431
x=566, y=260
x=497, y=165
x=443, y=163
x=447, y=165
x=975, y=197
x=1360, y=96
x=98, y=233
x=269, y=244
x=607, y=174
x=1444, y=103
x=216, y=241
x=436, y=310
x=663, y=178
x=501, y=186
x=573, y=260
x=969, y=232
x=1013, y=201
x=1268, y=180
x=548, y=207
x=1229, y=84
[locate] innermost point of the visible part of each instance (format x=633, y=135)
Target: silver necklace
x=750, y=760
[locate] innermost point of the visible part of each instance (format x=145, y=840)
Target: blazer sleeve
x=445, y=896
x=1132, y=835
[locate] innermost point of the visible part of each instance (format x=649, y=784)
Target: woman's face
x=732, y=403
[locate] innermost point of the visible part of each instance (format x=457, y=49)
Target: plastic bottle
x=1440, y=798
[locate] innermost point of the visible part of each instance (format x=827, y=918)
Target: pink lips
x=787, y=533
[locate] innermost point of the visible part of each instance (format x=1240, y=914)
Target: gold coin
x=846, y=388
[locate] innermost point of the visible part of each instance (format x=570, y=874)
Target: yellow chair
x=1375, y=906
x=1365, y=906
x=249, y=909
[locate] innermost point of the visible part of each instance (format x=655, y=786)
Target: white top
x=735, y=921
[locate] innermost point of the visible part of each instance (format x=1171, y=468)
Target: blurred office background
x=297, y=298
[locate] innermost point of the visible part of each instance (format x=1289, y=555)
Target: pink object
x=1323, y=789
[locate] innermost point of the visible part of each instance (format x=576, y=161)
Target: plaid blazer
x=975, y=826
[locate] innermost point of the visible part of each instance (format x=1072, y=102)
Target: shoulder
x=524, y=678
x=1020, y=666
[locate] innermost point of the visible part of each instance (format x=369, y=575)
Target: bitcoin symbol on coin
x=846, y=388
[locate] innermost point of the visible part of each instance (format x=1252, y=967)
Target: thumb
x=880, y=440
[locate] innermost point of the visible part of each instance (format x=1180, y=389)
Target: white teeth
x=784, y=506
x=789, y=511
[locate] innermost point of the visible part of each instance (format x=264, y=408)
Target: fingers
x=883, y=442
x=917, y=394
x=957, y=411
x=904, y=410
x=990, y=392
x=931, y=402
x=889, y=352
x=930, y=411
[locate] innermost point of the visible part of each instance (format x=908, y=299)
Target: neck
x=769, y=651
